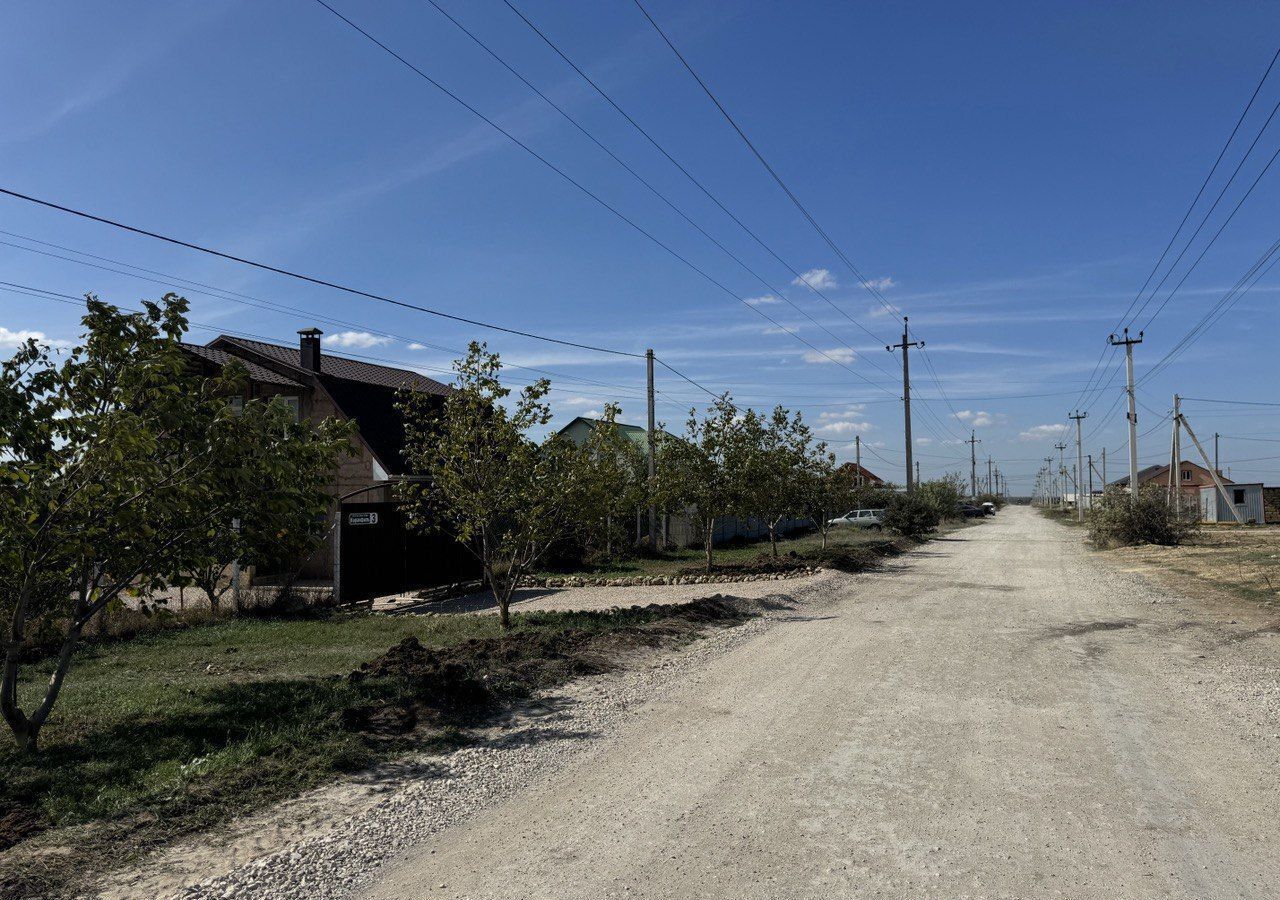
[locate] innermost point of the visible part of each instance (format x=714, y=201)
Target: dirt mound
x=463, y=683
x=17, y=822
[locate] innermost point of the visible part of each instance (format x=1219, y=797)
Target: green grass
x=674, y=561
x=178, y=729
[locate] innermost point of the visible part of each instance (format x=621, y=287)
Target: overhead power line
x=687, y=174
x=310, y=279
x=865, y=282
x=640, y=178
x=583, y=188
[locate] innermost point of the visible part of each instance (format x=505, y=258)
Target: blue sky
x=1008, y=172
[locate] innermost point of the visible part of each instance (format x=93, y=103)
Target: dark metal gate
x=378, y=555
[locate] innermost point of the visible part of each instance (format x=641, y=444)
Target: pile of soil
x=856, y=559
x=764, y=564
x=17, y=822
x=467, y=682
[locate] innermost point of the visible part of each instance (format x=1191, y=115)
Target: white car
x=861, y=518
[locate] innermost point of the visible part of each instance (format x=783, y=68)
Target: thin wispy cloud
x=822, y=279
x=980, y=418
x=765, y=300
x=1042, y=432
x=837, y=355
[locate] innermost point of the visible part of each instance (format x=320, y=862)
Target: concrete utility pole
x=917, y=471
x=1062, y=474
x=905, y=347
x=1104, y=470
x=989, y=491
x=1128, y=342
x=857, y=457
x=1079, y=417
x=1215, y=452
x=653, y=461
x=1175, y=456
x=973, y=443
x=1091, y=481
x=1217, y=481
x=1048, y=468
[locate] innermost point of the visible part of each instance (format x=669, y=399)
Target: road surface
x=999, y=714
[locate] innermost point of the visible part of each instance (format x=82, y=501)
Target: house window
x=1238, y=495
x=1186, y=474
x=237, y=405
x=295, y=404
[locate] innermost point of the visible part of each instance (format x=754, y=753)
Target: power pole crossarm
x=905, y=347
x=1128, y=344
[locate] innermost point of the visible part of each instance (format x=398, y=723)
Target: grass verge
x=178, y=730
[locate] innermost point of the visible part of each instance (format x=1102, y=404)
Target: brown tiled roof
x=256, y=372
x=346, y=369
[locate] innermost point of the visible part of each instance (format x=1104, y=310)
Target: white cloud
x=840, y=428
x=360, y=340
x=1042, y=432
x=981, y=418
x=765, y=300
x=416, y=346
x=822, y=279
x=838, y=355
x=11, y=340
x=880, y=284
x=924, y=441
x=849, y=412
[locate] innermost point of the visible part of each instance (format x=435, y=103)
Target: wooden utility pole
x=1079, y=417
x=973, y=443
x=1128, y=342
x=905, y=347
x=1104, y=470
x=653, y=452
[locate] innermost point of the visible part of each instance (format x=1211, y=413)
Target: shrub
x=910, y=515
x=1119, y=519
x=943, y=494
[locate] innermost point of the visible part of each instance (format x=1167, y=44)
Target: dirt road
x=1004, y=716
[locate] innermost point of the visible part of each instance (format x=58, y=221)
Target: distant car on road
x=969, y=511
x=861, y=518
x=988, y=508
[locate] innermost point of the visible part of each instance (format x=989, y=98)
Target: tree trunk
x=711, y=530
x=608, y=537
x=27, y=730
x=773, y=538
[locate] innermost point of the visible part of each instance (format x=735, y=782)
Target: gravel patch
x=331, y=842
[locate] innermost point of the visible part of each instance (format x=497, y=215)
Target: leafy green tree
x=116, y=462
x=825, y=491
x=706, y=472
x=611, y=480
x=504, y=497
x=910, y=515
x=780, y=450
x=943, y=494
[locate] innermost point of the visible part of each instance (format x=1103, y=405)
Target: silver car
x=861, y=518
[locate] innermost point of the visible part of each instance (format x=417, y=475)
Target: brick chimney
x=309, y=348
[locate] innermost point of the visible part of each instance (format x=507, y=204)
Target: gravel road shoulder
x=329, y=841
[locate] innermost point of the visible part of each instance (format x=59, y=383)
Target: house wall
x=1213, y=508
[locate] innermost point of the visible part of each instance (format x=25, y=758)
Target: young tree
x=826, y=490
x=484, y=481
x=611, y=478
x=706, y=473
x=115, y=462
x=780, y=454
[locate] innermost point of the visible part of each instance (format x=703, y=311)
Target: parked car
x=861, y=518
x=988, y=508
x=969, y=511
